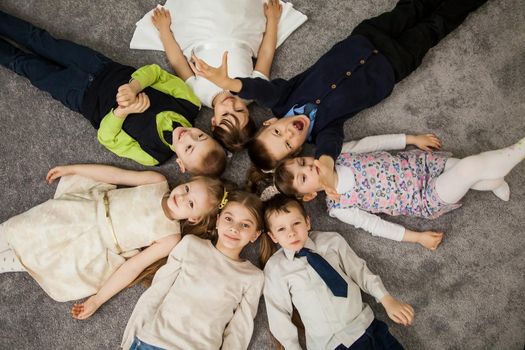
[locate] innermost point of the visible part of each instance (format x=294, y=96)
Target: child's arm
x=156, y=77
x=107, y=174
x=376, y=143
x=272, y=11
x=150, y=300
x=382, y=228
x=279, y=309
x=162, y=21
x=238, y=332
x=124, y=275
x=267, y=93
x=356, y=268
x=329, y=141
x=426, y=142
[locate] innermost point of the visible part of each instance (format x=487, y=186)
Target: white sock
x=503, y=191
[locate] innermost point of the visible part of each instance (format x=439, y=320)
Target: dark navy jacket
x=350, y=77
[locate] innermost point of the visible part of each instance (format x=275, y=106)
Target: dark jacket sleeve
x=329, y=141
x=266, y=93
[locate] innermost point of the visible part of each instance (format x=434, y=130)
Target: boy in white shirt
x=321, y=276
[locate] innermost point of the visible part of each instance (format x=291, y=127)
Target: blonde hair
x=216, y=188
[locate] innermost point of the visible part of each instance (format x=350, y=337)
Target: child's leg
x=405, y=15
x=65, y=84
x=499, y=187
x=63, y=52
x=8, y=260
x=454, y=183
x=425, y=34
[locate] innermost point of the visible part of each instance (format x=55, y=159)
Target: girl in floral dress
x=366, y=181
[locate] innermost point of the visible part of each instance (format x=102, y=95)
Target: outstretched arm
x=162, y=21
x=382, y=228
x=272, y=11
x=107, y=174
x=124, y=275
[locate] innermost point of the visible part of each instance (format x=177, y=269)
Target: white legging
x=8, y=260
x=484, y=171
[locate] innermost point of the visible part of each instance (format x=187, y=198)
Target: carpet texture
x=469, y=91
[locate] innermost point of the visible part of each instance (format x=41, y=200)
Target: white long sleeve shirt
x=328, y=320
x=200, y=299
x=346, y=182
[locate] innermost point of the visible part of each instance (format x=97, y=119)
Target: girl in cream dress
x=206, y=296
x=245, y=29
x=93, y=239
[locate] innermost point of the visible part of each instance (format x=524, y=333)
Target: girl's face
x=229, y=112
x=305, y=175
x=189, y=201
x=236, y=227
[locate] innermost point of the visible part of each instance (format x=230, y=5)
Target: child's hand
x=327, y=176
x=273, y=10
x=161, y=19
x=215, y=75
x=140, y=104
x=427, y=142
x=430, y=239
x=399, y=312
x=59, y=171
x=127, y=93
x=87, y=308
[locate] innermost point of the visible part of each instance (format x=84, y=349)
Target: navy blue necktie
x=330, y=276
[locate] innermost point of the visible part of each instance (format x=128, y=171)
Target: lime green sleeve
x=111, y=136
x=154, y=76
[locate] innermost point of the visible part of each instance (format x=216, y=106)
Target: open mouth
x=298, y=124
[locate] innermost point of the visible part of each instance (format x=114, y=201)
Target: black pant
x=376, y=337
x=405, y=34
x=60, y=67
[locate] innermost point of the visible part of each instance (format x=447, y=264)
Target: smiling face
x=284, y=137
x=229, y=112
x=236, y=227
x=305, y=175
x=189, y=201
x=289, y=228
x=192, y=145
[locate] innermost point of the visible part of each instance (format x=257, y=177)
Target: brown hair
x=213, y=164
x=259, y=154
x=256, y=180
x=233, y=137
x=216, y=188
x=281, y=204
x=283, y=180
x=256, y=207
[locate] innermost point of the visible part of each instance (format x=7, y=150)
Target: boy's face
x=283, y=137
x=290, y=229
x=305, y=175
x=229, y=112
x=191, y=146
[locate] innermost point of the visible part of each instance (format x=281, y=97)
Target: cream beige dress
x=72, y=243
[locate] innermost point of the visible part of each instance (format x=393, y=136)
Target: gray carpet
x=469, y=91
